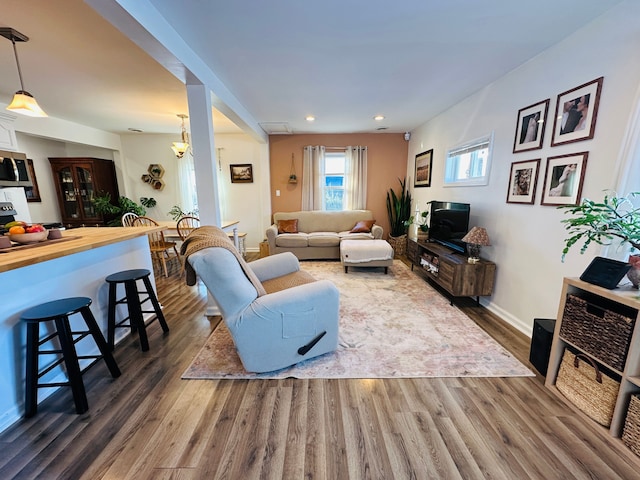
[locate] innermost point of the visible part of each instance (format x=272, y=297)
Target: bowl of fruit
x=25, y=234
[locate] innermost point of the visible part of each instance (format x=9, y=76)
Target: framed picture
x=563, y=179
x=32, y=193
x=530, y=127
x=522, y=181
x=423, y=169
x=242, y=173
x=576, y=113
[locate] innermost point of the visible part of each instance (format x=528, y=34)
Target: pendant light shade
x=23, y=102
x=180, y=148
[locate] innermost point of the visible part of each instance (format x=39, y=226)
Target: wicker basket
x=584, y=385
x=631, y=431
x=598, y=330
x=399, y=244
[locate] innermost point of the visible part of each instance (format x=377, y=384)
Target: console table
x=451, y=271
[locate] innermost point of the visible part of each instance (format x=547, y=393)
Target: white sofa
x=319, y=233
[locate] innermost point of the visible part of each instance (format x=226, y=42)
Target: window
x=468, y=164
x=334, y=181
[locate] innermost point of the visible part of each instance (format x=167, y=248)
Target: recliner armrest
x=275, y=266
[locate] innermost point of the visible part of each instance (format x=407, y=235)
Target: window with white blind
x=469, y=163
x=334, y=181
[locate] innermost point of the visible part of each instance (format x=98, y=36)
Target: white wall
x=249, y=203
x=527, y=240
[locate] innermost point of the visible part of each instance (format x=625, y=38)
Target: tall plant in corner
x=399, y=209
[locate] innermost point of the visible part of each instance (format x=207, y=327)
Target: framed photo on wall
x=424, y=163
x=576, y=113
x=522, y=181
x=242, y=173
x=563, y=179
x=530, y=127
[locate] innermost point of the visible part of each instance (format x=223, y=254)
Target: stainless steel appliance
x=7, y=214
x=14, y=170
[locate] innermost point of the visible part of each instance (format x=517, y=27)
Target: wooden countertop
x=73, y=241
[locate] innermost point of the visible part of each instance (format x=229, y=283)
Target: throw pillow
x=363, y=226
x=288, y=226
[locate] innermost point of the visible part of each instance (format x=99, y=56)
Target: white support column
x=204, y=158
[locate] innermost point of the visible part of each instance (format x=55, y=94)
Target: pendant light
x=180, y=148
x=23, y=102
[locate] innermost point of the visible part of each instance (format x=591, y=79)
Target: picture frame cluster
x=575, y=118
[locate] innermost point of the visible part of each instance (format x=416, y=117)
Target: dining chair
x=159, y=246
x=186, y=225
x=128, y=218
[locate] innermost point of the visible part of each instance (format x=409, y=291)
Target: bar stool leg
x=71, y=363
x=111, y=317
x=156, y=304
x=135, y=313
x=90, y=320
x=31, y=377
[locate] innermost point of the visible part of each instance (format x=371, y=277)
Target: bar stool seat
x=135, y=319
x=59, y=312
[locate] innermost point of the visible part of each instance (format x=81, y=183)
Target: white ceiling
x=343, y=61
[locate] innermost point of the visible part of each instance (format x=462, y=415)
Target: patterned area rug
x=391, y=326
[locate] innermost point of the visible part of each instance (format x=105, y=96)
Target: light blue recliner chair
x=278, y=315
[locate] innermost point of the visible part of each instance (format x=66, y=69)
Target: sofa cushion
x=288, y=226
x=355, y=236
x=323, y=239
x=363, y=226
x=292, y=240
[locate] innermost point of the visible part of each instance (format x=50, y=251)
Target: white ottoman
x=366, y=253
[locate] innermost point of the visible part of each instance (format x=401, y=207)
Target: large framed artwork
x=242, y=173
x=523, y=181
x=576, y=113
x=564, y=178
x=530, y=127
x=424, y=161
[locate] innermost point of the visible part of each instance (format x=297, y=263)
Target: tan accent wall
x=386, y=162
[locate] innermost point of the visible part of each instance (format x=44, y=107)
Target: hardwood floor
x=150, y=424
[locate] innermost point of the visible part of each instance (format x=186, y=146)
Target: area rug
x=391, y=326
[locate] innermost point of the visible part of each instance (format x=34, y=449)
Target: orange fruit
x=16, y=230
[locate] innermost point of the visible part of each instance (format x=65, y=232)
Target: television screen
x=449, y=222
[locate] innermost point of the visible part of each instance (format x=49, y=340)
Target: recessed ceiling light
x=310, y=118
x=136, y=130
x=378, y=117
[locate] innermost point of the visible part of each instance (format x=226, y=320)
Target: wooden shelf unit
x=630, y=375
x=450, y=270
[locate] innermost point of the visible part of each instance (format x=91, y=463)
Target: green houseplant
x=399, y=211
x=613, y=219
x=113, y=213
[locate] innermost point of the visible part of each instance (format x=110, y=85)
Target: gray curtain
x=312, y=177
x=356, y=178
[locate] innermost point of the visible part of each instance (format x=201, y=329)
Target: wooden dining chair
x=128, y=218
x=186, y=225
x=159, y=246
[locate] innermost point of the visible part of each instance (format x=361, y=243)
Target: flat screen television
x=448, y=223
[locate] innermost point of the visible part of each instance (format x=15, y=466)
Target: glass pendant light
x=23, y=102
x=180, y=148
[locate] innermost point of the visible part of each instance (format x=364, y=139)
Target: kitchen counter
x=75, y=266
x=77, y=240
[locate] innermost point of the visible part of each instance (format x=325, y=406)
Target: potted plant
x=421, y=222
x=613, y=219
x=399, y=211
x=103, y=205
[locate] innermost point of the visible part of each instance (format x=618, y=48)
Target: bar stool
x=135, y=320
x=59, y=311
